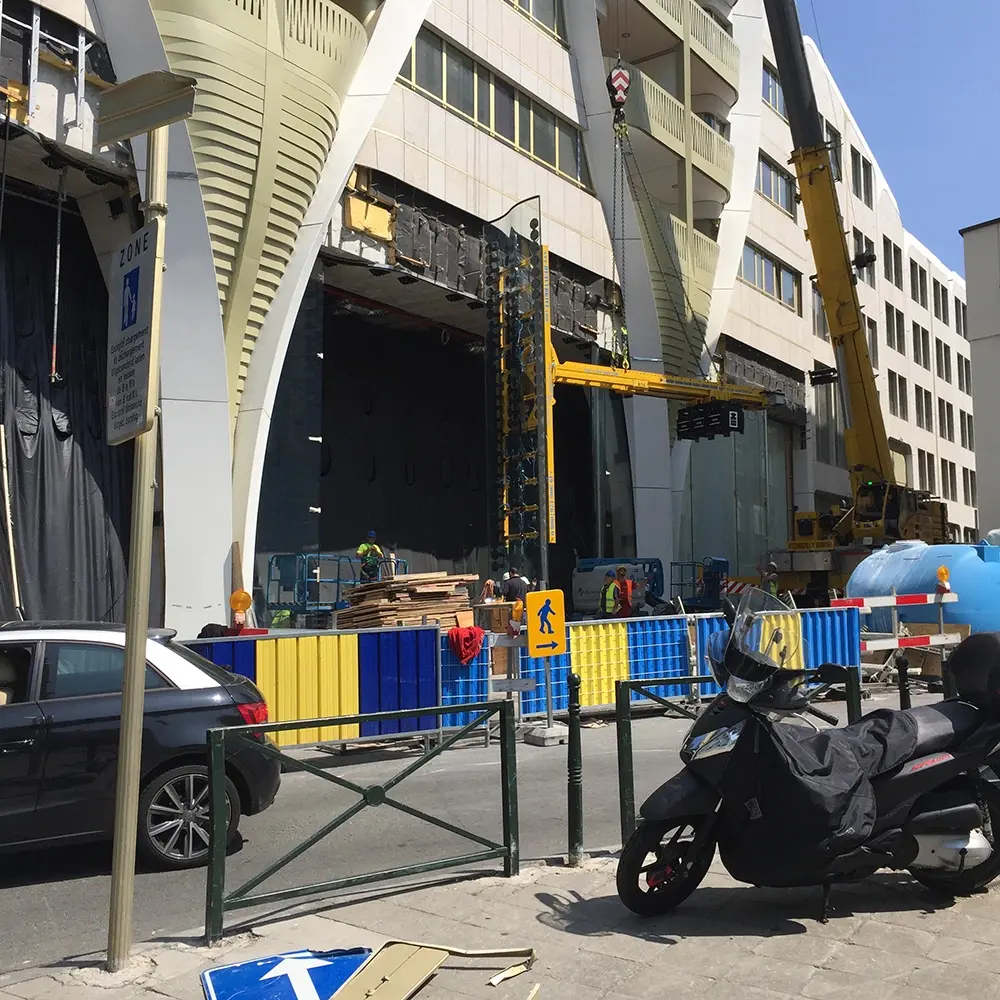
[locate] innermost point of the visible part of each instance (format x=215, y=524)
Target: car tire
x=174, y=817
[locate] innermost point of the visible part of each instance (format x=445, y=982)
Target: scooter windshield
x=761, y=631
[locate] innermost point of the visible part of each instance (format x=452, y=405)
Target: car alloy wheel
x=177, y=819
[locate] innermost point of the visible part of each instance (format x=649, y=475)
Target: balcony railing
x=660, y=115
x=704, y=253
x=708, y=38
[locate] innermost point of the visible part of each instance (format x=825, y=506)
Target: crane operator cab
x=887, y=512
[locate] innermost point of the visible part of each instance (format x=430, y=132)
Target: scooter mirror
x=729, y=610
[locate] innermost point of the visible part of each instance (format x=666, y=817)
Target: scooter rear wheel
x=653, y=877
x=970, y=880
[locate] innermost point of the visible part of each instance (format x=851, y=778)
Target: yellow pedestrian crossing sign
x=546, y=623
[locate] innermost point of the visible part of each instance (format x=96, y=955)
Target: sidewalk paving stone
x=728, y=942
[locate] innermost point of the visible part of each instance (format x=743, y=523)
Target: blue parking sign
x=294, y=975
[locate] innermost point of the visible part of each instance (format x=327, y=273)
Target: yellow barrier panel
x=308, y=678
x=600, y=657
x=790, y=626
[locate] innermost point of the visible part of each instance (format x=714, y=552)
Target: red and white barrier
x=909, y=641
x=893, y=601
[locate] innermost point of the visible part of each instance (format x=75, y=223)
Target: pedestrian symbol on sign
x=130, y=298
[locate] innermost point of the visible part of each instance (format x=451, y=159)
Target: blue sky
x=923, y=81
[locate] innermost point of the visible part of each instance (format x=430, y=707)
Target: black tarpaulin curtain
x=69, y=490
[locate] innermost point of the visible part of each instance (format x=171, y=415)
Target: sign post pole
x=137, y=595
x=146, y=104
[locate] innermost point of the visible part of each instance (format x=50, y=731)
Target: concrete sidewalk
x=886, y=936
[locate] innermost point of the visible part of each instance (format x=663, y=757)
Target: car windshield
x=761, y=631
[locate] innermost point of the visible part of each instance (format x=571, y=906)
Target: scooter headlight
x=716, y=742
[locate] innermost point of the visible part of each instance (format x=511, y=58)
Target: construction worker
x=625, y=585
x=769, y=579
x=607, y=606
x=371, y=556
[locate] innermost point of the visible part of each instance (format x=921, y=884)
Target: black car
x=60, y=708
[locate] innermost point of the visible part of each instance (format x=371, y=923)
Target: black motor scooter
x=791, y=806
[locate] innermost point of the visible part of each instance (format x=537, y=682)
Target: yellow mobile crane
x=825, y=547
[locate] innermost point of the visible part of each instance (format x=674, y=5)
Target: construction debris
x=412, y=599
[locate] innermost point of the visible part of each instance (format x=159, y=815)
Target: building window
x=940, y=301
x=898, y=402
x=863, y=245
x=772, y=277
x=922, y=346
x=829, y=425
x=862, y=177
x=771, y=90
x=946, y=420
x=967, y=430
x=923, y=405
x=835, y=143
x=714, y=123
x=918, y=283
x=821, y=326
x=960, y=317
x=547, y=13
x=964, y=374
x=892, y=262
x=872, y=342
x=943, y=356
x=472, y=91
x=969, y=488
x=776, y=185
x=949, y=480
x=895, y=329
x=926, y=471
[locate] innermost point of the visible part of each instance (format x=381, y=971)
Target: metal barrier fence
x=217, y=902
x=650, y=690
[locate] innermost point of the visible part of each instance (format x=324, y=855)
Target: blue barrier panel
x=533, y=702
x=397, y=669
x=658, y=647
x=833, y=636
x=239, y=657
x=463, y=685
x=706, y=625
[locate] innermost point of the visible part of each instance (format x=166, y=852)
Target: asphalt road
x=54, y=903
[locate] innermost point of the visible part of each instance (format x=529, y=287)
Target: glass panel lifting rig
x=522, y=370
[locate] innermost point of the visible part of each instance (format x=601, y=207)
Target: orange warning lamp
x=943, y=576
x=240, y=601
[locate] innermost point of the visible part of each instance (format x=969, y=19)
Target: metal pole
x=53, y=371
x=574, y=776
x=903, y=680
x=852, y=690
x=549, y=715
x=137, y=597
x=626, y=780
x=508, y=790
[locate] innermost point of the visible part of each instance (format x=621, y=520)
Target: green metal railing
x=217, y=902
x=623, y=723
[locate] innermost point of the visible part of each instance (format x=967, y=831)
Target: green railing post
x=852, y=690
x=508, y=788
x=574, y=777
x=218, y=828
x=626, y=777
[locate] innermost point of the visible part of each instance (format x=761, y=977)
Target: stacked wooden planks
x=410, y=600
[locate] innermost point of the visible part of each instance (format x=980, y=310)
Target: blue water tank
x=911, y=567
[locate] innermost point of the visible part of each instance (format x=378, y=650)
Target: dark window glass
x=429, y=58
x=524, y=122
x=483, y=96
x=75, y=669
x=568, y=151
x=461, y=86
x=503, y=109
x=406, y=70
x=545, y=136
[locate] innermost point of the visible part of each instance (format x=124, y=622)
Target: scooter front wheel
x=653, y=876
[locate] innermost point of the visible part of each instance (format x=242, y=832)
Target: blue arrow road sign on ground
x=295, y=975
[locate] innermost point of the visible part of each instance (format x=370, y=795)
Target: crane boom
x=866, y=443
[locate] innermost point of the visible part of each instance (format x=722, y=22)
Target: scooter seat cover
x=793, y=800
x=943, y=725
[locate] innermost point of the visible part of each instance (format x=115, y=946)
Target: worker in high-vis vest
x=371, y=556
x=609, y=603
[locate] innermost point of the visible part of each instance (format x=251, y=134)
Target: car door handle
x=17, y=746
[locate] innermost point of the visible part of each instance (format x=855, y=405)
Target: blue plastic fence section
x=239, y=657
x=396, y=670
x=533, y=702
x=833, y=635
x=463, y=685
x=705, y=626
x=658, y=647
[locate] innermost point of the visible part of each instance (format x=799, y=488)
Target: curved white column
x=647, y=418
x=397, y=23
x=194, y=398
